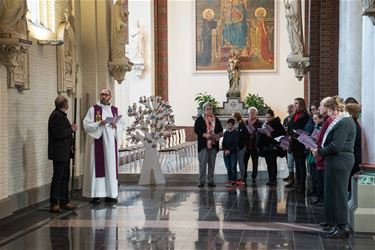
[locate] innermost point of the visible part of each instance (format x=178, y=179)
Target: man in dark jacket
x=209, y=130
x=60, y=142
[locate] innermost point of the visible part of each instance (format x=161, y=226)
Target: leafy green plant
x=202, y=98
x=257, y=101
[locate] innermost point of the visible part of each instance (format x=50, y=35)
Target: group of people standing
x=330, y=162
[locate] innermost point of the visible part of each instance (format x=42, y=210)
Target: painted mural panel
x=248, y=25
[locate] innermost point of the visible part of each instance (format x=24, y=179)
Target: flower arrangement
x=202, y=98
x=254, y=100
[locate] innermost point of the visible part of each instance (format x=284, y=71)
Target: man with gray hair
x=209, y=130
x=289, y=158
x=60, y=144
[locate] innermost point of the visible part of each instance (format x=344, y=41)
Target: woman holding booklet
x=337, y=150
x=252, y=125
x=298, y=122
x=268, y=146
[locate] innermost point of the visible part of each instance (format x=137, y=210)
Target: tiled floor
x=185, y=217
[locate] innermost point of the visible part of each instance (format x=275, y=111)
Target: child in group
x=230, y=149
x=317, y=179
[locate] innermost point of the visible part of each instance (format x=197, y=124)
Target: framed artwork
x=245, y=25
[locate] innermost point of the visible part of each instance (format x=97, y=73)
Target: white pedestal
x=151, y=173
x=362, y=207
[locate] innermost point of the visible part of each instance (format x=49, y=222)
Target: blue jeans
x=231, y=165
x=290, y=161
x=241, y=163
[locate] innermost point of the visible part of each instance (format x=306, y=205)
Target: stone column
x=350, y=47
x=5, y=203
x=362, y=205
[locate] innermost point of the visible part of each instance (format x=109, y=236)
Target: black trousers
x=271, y=160
x=300, y=170
x=60, y=183
x=254, y=158
x=320, y=184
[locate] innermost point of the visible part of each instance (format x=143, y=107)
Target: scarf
x=210, y=124
x=332, y=125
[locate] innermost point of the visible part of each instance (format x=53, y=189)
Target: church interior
x=160, y=62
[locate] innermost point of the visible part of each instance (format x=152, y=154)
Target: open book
x=300, y=132
x=250, y=128
x=111, y=120
x=267, y=129
x=284, y=141
x=307, y=141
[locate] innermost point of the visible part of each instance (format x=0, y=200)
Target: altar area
x=184, y=167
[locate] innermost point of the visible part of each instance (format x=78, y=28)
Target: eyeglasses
x=104, y=94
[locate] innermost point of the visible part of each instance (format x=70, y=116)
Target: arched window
x=42, y=13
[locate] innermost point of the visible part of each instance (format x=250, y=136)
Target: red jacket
x=320, y=165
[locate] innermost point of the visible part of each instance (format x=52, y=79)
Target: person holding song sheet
x=315, y=189
x=298, y=121
x=252, y=125
x=338, y=152
x=269, y=147
x=104, y=128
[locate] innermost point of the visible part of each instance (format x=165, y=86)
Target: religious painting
x=245, y=25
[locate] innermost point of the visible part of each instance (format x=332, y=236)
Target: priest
x=104, y=128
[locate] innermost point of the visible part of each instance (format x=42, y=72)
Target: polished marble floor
x=186, y=217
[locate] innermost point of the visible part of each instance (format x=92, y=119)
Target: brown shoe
x=55, y=209
x=69, y=206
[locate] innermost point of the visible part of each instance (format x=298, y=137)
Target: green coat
x=338, y=153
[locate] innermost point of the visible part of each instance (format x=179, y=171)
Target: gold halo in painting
x=260, y=12
x=208, y=14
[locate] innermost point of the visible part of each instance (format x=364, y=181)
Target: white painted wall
x=278, y=88
x=135, y=86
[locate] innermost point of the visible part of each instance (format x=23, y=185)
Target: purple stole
x=99, y=150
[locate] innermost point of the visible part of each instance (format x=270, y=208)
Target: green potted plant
x=257, y=101
x=202, y=98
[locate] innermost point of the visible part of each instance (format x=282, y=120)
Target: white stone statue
x=137, y=43
x=294, y=26
x=119, y=29
x=233, y=68
x=137, y=49
x=13, y=17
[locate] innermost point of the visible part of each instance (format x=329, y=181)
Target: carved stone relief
x=369, y=9
x=14, y=42
x=66, y=58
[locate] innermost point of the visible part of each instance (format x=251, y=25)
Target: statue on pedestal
x=119, y=30
x=13, y=17
x=119, y=64
x=294, y=26
x=296, y=59
x=137, y=49
x=233, y=68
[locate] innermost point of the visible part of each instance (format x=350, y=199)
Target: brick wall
x=161, y=48
x=322, y=39
x=28, y=112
